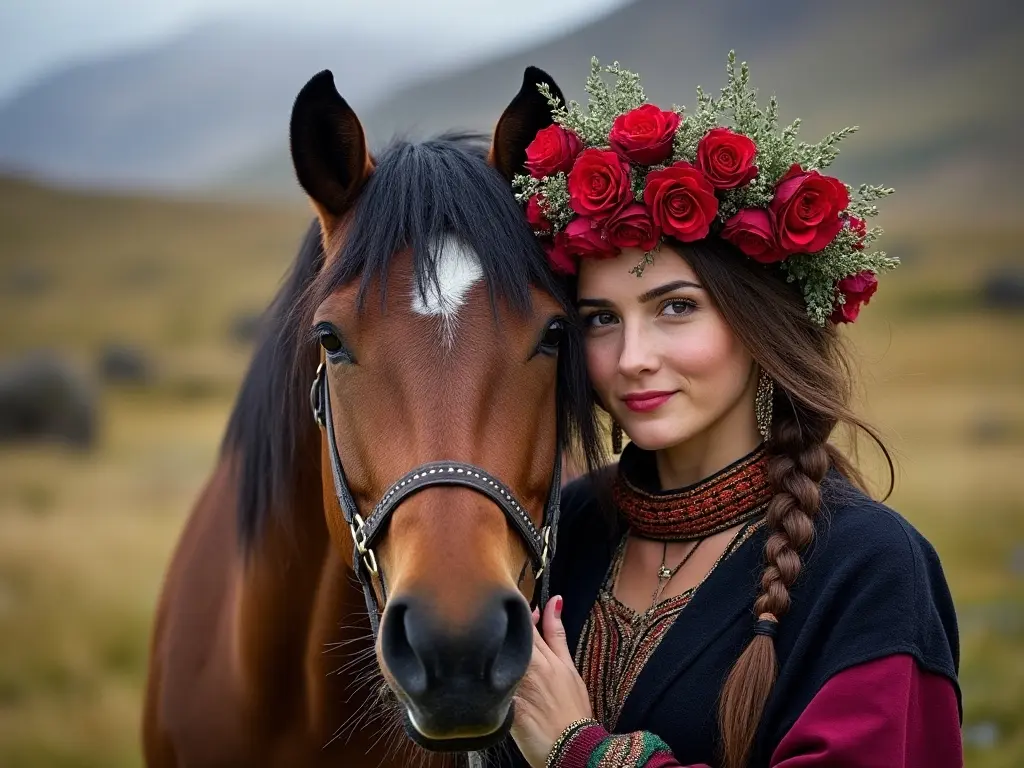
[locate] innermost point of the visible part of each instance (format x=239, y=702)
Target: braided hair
x=812, y=388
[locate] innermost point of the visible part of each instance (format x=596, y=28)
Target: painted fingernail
x=558, y=607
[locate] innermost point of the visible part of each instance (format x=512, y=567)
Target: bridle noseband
x=540, y=544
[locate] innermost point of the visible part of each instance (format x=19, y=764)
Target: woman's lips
x=646, y=401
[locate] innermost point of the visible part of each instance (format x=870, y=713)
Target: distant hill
x=929, y=82
x=186, y=112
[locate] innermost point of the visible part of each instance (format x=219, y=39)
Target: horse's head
x=445, y=338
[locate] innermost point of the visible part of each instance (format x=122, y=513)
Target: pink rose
x=857, y=290
x=727, y=158
x=753, y=232
x=552, y=150
x=806, y=208
x=644, y=135
x=599, y=184
x=632, y=227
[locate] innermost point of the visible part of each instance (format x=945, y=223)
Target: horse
x=354, y=584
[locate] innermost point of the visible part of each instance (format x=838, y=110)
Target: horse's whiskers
x=362, y=659
x=349, y=641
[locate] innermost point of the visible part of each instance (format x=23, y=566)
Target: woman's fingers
x=554, y=630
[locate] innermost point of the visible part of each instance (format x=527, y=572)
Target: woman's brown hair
x=812, y=390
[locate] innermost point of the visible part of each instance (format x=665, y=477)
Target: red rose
x=535, y=215
x=682, y=201
x=599, y=184
x=559, y=260
x=632, y=227
x=727, y=158
x=645, y=134
x=807, y=207
x=552, y=150
x=860, y=228
x=583, y=238
x=857, y=290
x=753, y=232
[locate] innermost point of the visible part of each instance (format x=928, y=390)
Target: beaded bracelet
x=565, y=737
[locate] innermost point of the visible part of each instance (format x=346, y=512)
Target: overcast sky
x=37, y=36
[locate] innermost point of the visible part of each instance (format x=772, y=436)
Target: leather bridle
x=540, y=544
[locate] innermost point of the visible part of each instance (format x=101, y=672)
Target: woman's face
x=660, y=355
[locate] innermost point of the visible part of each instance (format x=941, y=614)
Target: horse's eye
x=330, y=342
x=553, y=336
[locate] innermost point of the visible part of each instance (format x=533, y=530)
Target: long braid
x=799, y=459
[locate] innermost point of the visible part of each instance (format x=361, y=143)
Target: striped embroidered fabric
x=617, y=642
x=627, y=750
x=594, y=747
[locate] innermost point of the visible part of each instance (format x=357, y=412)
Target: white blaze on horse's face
x=458, y=268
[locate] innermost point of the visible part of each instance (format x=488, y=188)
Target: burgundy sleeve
x=886, y=713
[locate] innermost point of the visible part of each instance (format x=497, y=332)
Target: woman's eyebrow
x=643, y=298
x=661, y=290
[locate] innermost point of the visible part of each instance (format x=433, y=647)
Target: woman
x=744, y=603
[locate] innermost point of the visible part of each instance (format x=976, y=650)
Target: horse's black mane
x=417, y=195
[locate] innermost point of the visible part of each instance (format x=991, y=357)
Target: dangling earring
x=763, y=404
x=616, y=437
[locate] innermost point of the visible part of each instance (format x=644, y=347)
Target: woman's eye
x=330, y=342
x=601, y=319
x=678, y=307
x=553, y=335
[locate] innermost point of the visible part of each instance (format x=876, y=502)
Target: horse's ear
x=528, y=113
x=328, y=148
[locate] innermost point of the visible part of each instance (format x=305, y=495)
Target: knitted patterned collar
x=736, y=494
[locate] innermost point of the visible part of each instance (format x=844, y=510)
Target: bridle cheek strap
x=540, y=544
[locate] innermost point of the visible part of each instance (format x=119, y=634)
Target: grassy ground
x=84, y=538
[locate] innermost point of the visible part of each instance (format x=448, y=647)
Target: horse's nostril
x=485, y=658
x=403, y=662
x=513, y=656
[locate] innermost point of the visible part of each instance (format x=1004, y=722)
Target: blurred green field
x=84, y=538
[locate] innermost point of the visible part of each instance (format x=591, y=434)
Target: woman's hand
x=552, y=695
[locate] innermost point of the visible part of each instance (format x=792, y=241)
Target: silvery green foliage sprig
x=818, y=273
x=847, y=254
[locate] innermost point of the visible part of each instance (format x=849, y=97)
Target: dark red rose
x=559, y=260
x=682, y=201
x=584, y=238
x=535, y=214
x=727, y=158
x=807, y=207
x=599, y=184
x=552, y=150
x=645, y=134
x=860, y=228
x=752, y=230
x=858, y=290
x=632, y=227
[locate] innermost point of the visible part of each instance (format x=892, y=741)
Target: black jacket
x=871, y=586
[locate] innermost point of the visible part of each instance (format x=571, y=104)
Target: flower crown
x=626, y=173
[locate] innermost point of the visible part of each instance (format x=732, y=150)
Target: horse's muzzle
x=457, y=684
